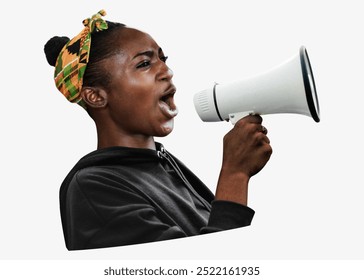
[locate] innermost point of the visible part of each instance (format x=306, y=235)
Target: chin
x=166, y=129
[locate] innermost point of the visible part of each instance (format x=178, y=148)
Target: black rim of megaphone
x=311, y=94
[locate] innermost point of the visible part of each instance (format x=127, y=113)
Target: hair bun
x=53, y=47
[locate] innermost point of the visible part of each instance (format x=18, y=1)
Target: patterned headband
x=73, y=58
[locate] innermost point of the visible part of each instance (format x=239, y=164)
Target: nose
x=165, y=73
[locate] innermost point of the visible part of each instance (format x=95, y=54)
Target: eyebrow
x=149, y=53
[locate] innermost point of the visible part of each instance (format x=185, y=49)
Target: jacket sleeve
x=226, y=215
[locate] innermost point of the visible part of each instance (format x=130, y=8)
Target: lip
x=171, y=90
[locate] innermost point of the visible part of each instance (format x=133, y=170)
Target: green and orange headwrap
x=73, y=58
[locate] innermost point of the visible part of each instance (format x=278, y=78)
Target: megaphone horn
x=287, y=88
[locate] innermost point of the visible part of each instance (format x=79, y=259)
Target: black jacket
x=121, y=196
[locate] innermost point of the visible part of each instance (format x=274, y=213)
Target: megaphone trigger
x=235, y=117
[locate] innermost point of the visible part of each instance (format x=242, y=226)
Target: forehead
x=132, y=41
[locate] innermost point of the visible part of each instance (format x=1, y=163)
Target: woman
x=131, y=190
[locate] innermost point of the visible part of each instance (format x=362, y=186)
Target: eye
x=143, y=64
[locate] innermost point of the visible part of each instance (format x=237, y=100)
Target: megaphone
x=287, y=88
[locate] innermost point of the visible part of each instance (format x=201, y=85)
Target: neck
x=130, y=142
x=114, y=137
x=109, y=134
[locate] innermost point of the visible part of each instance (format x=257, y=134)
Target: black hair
x=103, y=45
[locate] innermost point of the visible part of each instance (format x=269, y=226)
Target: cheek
x=134, y=106
x=125, y=93
x=140, y=89
x=135, y=96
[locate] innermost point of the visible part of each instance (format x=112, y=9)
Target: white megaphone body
x=287, y=88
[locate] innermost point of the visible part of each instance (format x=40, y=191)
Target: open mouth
x=167, y=103
x=168, y=99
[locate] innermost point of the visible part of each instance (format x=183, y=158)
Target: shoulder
x=101, y=186
x=98, y=175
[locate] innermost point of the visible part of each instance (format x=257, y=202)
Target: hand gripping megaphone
x=287, y=88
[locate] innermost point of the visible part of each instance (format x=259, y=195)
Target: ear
x=94, y=97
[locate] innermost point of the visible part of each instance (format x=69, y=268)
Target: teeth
x=173, y=111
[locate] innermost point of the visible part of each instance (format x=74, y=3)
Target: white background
x=308, y=199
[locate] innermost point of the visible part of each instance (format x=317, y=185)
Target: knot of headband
x=73, y=58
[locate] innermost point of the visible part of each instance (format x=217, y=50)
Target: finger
x=266, y=139
x=262, y=138
x=255, y=118
x=263, y=129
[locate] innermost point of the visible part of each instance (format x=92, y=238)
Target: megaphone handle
x=235, y=117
